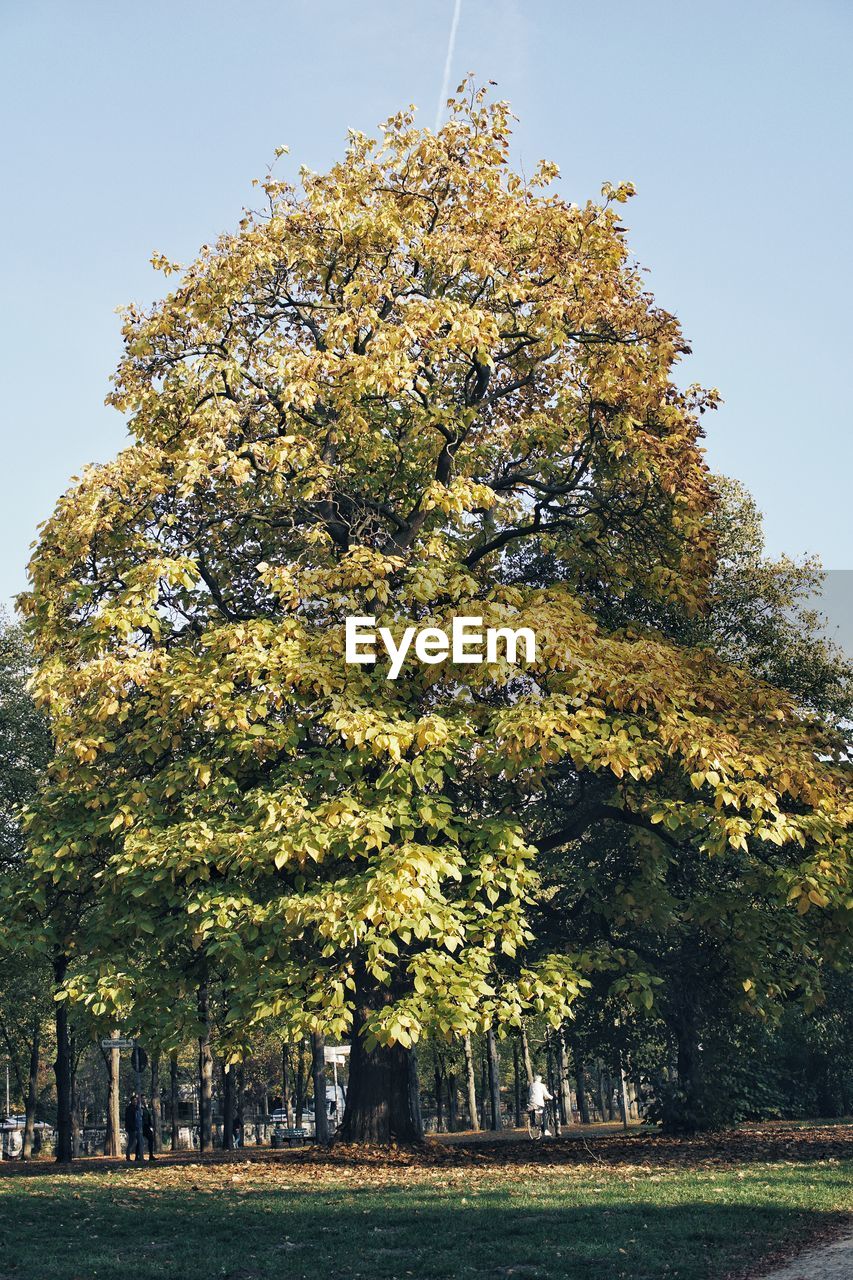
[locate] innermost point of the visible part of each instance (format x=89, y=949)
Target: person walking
x=133, y=1123
x=148, y=1129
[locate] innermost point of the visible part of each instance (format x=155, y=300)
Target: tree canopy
x=414, y=387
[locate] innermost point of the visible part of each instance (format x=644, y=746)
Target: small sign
x=117, y=1044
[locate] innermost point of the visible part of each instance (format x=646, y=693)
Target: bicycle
x=537, y=1122
x=544, y=1121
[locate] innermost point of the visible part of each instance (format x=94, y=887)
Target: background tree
x=25, y=749
x=721, y=939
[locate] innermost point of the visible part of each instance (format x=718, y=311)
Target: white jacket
x=537, y=1095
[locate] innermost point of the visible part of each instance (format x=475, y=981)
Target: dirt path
x=824, y=1262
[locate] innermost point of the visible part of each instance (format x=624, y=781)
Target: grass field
x=639, y=1207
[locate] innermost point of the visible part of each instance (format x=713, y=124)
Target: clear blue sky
x=134, y=127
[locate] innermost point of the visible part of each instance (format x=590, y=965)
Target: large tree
x=417, y=387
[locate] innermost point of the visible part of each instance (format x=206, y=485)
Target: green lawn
x=470, y=1217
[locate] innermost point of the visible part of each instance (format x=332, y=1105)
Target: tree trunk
x=76, y=1120
x=452, y=1103
x=382, y=1103
x=156, y=1102
x=470, y=1082
x=379, y=1104
x=318, y=1078
x=383, y=1097
x=112, y=1140
x=62, y=1071
x=228, y=1106
x=516, y=1081
x=300, y=1085
x=528, y=1063
x=583, y=1101
x=623, y=1095
x=285, y=1085
x=205, y=1075
x=605, y=1098
x=494, y=1078
x=553, y=1084
x=438, y=1081
x=31, y=1097
x=173, y=1100
x=565, y=1091
x=689, y=1067
x=241, y=1098
x=415, y=1095
x=686, y=1114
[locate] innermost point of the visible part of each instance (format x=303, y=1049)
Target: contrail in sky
x=448, y=62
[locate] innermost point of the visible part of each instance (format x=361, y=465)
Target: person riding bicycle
x=537, y=1096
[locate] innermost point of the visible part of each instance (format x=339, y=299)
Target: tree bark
x=516, y=1082
x=156, y=1102
x=553, y=1083
x=76, y=1119
x=300, y=1085
x=112, y=1139
x=689, y=1067
x=62, y=1070
x=583, y=1101
x=452, y=1103
x=382, y=1097
x=600, y=1091
x=31, y=1097
x=173, y=1100
x=379, y=1105
x=525, y=1049
x=205, y=1074
x=285, y=1085
x=494, y=1078
x=565, y=1090
x=241, y=1099
x=471, y=1082
x=228, y=1107
x=415, y=1094
x=318, y=1078
x=686, y=1114
x=606, y=1089
x=623, y=1095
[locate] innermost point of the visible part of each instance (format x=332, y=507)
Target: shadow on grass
x=530, y=1230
